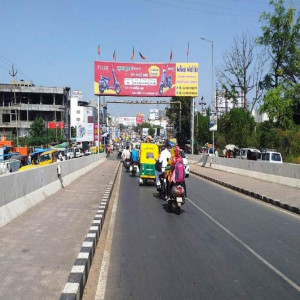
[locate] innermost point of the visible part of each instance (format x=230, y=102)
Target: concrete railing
x=285, y=173
x=20, y=191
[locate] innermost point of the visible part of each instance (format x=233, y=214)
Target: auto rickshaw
x=148, y=156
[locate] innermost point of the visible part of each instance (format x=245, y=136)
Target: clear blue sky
x=54, y=43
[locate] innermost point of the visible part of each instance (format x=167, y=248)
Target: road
x=223, y=246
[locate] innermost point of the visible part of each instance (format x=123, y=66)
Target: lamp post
x=212, y=79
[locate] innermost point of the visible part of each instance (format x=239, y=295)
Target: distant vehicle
x=271, y=156
x=70, y=154
x=10, y=165
x=250, y=153
x=48, y=157
x=186, y=163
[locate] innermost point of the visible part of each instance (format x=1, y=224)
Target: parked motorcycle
x=127, y=164
x=177, y=198
x=134, y=168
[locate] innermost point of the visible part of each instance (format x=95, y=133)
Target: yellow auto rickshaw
x=148, y=156
x=48, y=157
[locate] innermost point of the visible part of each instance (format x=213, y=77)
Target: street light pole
x=212, y=79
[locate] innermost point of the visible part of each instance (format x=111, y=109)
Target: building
x=224, y=105
x=22, y=102
x=81, y=110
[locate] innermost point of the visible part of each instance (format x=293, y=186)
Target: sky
x=54, y=43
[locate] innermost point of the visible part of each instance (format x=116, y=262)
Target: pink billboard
x=145, y=79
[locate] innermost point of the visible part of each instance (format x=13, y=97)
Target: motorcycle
x=119, y=156
x=134, y=168
x=163, y=186
x=127, y=164
x=104, y=83
x=177, y=198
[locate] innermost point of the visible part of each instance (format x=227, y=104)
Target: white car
x=186, y=163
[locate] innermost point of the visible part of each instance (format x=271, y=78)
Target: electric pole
x=13, y=73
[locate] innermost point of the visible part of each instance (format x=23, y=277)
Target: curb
x=261, y=197
x=73, y=289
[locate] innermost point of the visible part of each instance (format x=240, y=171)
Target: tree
x=281, y=38
x=172, y=113
x=237, y=127
x=202, y=133
x=243, y=70
x=36, y=132
x=278, y=104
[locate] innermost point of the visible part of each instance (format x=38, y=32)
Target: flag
x=142, y=56
x=114, y=56
x=98, y=50
x=188, y=49
x=132, y=54
x=171, y=55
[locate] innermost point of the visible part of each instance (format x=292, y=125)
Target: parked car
x=271, y=156
x=186, y=163
x=9, y=166
x=250, y=153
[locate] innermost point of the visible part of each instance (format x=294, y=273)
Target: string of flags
x=141, y=55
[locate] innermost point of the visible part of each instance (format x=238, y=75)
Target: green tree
x=278, y=104
x=172, y=113
x=73, y=132
x=202, y=133
x=36, y=132
x=237, y=127
x=281, y=38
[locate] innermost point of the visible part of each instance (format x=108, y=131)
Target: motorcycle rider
x=177, y=157
x=126, y=154
x=164, y=157
x=134, y=157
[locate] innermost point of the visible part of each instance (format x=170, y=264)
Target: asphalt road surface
x=222, y=246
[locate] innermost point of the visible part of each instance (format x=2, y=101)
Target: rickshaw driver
x=165, y=156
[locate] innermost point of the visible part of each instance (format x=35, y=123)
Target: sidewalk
x=277, y=194
x=38, y=249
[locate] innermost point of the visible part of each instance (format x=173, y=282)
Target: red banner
x=53, y=125
x=146, y=79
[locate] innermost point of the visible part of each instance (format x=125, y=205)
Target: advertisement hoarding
x=146, y=79
x=85, y=132
x=139, y=118
x=213, y=125
x=53, y=125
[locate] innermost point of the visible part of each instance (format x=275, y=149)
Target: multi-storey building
x=22, y=102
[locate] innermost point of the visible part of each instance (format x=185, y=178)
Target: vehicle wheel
x=118, y=89
x=161, y=90
x=187, y=175
x=178, y=210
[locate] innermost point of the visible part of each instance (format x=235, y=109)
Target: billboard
x=85, y=132
x=139, y=118
x=53, y=125
x=146, y=79
x=213, y=125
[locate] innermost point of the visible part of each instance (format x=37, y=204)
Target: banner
x=85, y=132
x=53, y=125
x=146, y=79
x=213, y=125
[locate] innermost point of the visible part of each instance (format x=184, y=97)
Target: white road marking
x=101, y=286
x=269, y=265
